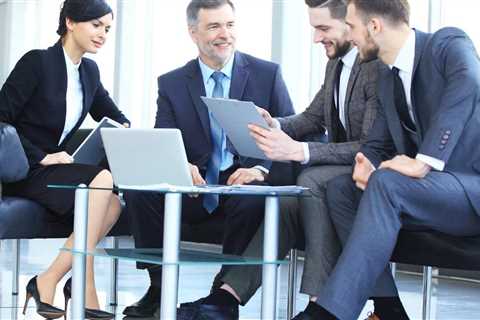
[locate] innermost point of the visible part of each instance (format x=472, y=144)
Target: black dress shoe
x=146, y=306
x=44, y=309
x=199, y=311
x=302, y=316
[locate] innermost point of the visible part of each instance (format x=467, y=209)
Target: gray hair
x=195, y=5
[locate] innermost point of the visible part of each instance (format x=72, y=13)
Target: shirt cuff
x=436, y=164
x=306, y=153
x=264, y=170
x=276, y=124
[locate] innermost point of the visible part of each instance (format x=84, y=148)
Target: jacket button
x=445, y=137
x=444, y=141
x=441, y=147
x=448, y=132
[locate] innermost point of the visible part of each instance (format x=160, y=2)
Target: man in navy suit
x=221, y=72
x=420, y=167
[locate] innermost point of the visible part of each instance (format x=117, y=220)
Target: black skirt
x=59, y=201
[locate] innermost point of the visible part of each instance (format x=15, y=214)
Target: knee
x=103, y=179
x=383, y=180
x=340, y=189
x=306, y=179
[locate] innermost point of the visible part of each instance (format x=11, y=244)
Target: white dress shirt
x=404, y=63
x=74, y=98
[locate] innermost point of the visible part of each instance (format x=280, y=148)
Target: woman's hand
x=56, y=158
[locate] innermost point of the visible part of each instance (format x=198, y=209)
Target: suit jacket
x=180, y=106
x=33, y=100
x=361, y=105
x=445, y=99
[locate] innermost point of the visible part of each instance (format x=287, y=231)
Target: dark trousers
x=390, y=202
x=243, y=215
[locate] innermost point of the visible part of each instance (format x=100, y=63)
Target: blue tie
x=210, y=201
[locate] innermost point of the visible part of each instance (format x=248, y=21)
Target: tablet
x=234, y=116
x=91, y=150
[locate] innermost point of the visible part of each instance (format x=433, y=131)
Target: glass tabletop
x=211, y=189
x=186, y=257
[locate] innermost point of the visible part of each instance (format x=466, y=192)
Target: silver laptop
x=140, y=157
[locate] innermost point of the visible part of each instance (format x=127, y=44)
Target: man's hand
x=276, y=144
x=268, y=118
x=243, y=176
x=362, y=171
x=196, y=177
x=56, y=158
x=126, y=125
x=407, y=166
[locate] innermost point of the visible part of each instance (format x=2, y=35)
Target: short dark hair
x=196, y=5
x=337, y=8
x=396, y=11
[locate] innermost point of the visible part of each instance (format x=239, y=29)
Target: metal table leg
x=270, y=252
x=79, y=260
x=171, y=244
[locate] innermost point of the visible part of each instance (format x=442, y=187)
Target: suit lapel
x=421, y=40
x=240, y=74
x=348, y=96
x=196, y=89
x=59, y=72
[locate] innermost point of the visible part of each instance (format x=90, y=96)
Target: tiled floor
x=452, y=300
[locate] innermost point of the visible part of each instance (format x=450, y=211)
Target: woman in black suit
x=46, y=98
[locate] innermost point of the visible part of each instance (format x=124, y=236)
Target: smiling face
x=91, y=35
x=332, y=33
x=360, y=35
x=215, y=35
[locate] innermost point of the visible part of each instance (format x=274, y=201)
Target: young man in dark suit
x=420, y=166
x=219, y=71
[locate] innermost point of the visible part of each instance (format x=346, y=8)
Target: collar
x=349, y=58
x=69, y=63
x=207, y=71
x=406, y=56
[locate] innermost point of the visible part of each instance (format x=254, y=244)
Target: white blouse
x=74, y=97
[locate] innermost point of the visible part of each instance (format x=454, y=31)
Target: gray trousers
x=322, y=246
x=373, y=220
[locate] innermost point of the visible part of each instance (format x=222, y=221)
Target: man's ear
x=375, y=26
x=192, y=31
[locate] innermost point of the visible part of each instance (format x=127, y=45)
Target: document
x=234, y=116
x=91, y=150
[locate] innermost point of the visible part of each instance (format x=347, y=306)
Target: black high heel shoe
x=44, y=309
x=91, y=314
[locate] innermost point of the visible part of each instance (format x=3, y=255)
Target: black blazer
x=446, y=103
x=180, y=106
x=33, y=100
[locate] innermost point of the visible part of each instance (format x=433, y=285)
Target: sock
x=220, y=297
x=389, y=308
x=316, y=311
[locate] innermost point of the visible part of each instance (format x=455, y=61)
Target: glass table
x=171, y=257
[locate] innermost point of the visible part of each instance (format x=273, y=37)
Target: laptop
x=143, y=158
x=140, y=157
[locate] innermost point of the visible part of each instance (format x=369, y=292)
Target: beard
x=341, y=49
x=371, y=50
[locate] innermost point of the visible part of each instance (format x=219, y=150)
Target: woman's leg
x=102, y=206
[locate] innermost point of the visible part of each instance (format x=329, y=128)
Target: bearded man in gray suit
x=345, y=106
